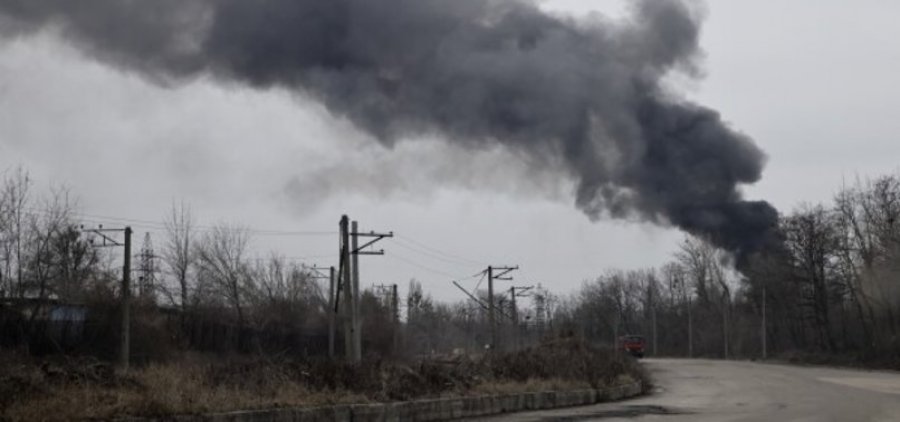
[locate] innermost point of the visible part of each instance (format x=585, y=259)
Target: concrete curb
x=426, y=410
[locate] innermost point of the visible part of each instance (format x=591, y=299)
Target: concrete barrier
x=424, y=410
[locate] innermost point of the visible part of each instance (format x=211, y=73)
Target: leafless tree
x=286, y=293
x=812, y=238
x=869, y=222
x=223, y=263
x=179, y=253
x=43, y=257
x=15, y=199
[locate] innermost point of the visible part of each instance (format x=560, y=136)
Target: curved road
x=711, y=390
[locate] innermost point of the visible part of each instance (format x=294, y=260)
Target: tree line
x=830, y=287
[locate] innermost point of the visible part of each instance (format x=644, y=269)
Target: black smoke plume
x=583, y=97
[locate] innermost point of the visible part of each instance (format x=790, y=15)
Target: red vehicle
x=633, y=344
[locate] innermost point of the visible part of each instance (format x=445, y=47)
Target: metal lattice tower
x=540, y=310
x=146, y=268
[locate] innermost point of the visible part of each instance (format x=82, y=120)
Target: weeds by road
x=81, y=388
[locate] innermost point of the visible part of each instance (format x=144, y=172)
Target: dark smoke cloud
x=583, y=97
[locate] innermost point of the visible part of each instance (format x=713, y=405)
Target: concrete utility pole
x=356, y=250
x=655, y=350
x=513, y=293
x=331, y=312
x=125, y=299
x=515, y=317
x=395, y=308
x=690, y=330
x=389, y=297
x=318, y=275
x=765, y=352
x=653, y=318
x=492, y=319
x=347, y=285
x=725, y=326
x=125, y=345
x=395, y=304
x=616, y=344
x=357, y=324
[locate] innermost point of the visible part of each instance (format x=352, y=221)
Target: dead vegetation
x=68, y=389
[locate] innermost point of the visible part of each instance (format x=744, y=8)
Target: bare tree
x=286, y=292
x=42, y=264
x=697, y=259
x=811, y=237
x=179, y=253
x=222, y=262
x=77, y=264
x=869, y=218
x=705, y=266
x=15, y=199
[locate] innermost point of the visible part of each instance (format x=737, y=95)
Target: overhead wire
x=161, y=225
x=417, y=265
x=425, y=254
x=437, y=252
x=455, y=277
x=477, y=285
x=403, y=242
x=156, y=227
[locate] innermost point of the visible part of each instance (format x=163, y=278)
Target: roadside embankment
x=430, y=410
x=560, y=372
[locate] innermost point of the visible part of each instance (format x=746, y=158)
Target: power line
x=161, y=225
x=424, y=267
x=300, y=258
x=481, y=280
x=263, y=232
x=433, y=270
x=439, y=252
x=430, y=255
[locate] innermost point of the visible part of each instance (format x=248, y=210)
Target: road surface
x=710, y=390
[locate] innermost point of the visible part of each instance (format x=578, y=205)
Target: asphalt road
x=709, y=390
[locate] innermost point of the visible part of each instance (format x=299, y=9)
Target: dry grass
x=73, y=389
x=159, y=390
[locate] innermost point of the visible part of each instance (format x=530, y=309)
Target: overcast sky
x=813, y=82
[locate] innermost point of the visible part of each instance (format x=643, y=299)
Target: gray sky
x=813, y=82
